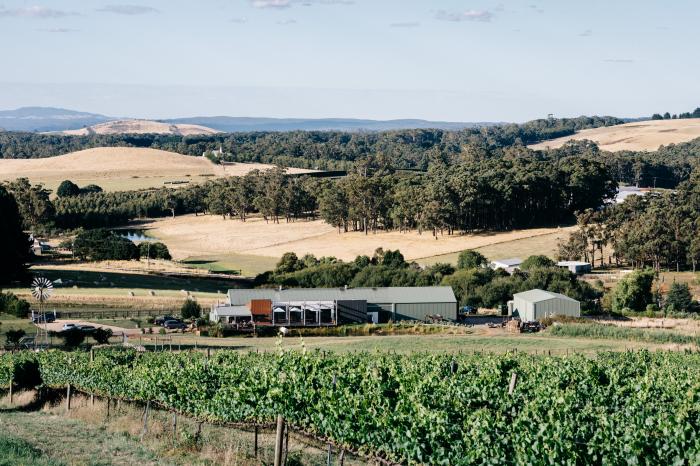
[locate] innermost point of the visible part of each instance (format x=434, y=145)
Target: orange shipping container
x=260, y=307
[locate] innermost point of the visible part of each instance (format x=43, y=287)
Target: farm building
x=576, y=267
x=334, y=306
x=537, y=304
x=509, y=265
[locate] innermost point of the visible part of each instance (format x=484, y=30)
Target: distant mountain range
x=47, y=119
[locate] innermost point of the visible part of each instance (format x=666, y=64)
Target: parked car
x=163, y=319
x=48, y=318
x=69, y=326
x=174, y=324
x=86, y=328
x=531, y=327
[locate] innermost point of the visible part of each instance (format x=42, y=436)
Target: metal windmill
x=42, y=288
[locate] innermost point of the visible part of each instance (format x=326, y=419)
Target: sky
x=448, y=60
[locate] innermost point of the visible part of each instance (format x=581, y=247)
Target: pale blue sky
x=460, y=60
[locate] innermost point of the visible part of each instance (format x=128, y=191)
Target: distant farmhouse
x=317, y=307
x=576, y=267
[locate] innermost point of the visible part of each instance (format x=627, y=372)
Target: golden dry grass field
x=123, y=168
x=141, y=127
x=638, y=136
x=209, y=238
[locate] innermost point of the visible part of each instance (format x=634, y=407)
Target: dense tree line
x=659, y=230
x=667, y=116
x=477, y=194
x=100, y=244
x=14, y=242
x=664, y=168
x=311, y=149
x=517, y=190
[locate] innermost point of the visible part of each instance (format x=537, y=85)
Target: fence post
x=278, y=440
x=174, y=427
x=68, y=395
x=513, y=381
x=109, y=402
x=329, y=458
x=11, y=383
x=255, y=443
x=341, y=458
x=145, y=419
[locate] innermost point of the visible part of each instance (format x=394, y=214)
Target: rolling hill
x=42, y=119
x=141, y=127
x=238, y=124
x=46, y=119
x=638, y=136
x=123, y=168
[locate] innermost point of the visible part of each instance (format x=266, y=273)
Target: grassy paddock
x=612, y=332
x=435, y=343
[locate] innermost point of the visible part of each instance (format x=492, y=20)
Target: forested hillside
x=322, y=149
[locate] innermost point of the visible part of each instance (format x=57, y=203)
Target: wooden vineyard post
x=329, y=458
x=145, y=419
x=11, y=383
x=208, y=353
x=174, y=427
x=286, y=443
x=278, y=440
x=109, y=402
x=341, y=458
x=255, y=443
x=68, y=395
x=92, y=399
x=513, y=381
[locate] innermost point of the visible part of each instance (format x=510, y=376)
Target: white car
x=69, y=326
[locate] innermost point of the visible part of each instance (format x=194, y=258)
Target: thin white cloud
x=405, y=24
x=619, y=60
x=282, y=4
x=239, y=20
x=275, y=4
x=286, y=22
x=127, y=9
x=36, y=11
x=586, y=33
x=484, y=16
x=58, y=30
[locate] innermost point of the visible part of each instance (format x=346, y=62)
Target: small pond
x=137, y=236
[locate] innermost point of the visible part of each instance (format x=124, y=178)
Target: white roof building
x=509, y=265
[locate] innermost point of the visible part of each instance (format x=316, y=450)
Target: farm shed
x=332, y=306
x=230, y=314
x=537, y=304
x=509, y=265
x=576, y=267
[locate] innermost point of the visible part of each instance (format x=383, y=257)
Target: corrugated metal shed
x=397, y=294
x=396, y=302
x=538, y=304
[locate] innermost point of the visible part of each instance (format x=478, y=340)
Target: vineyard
x=618, y=408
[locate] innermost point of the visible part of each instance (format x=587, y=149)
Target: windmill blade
x=42, y=288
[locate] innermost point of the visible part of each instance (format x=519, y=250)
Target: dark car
x=163, y=319
x=43, y=318
x=86, y=328
x=174, y=324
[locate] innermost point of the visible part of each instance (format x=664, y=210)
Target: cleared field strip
x=124, y=168
x=211, y=237
x=642, y=135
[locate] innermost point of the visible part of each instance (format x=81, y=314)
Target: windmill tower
x=42, y=288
